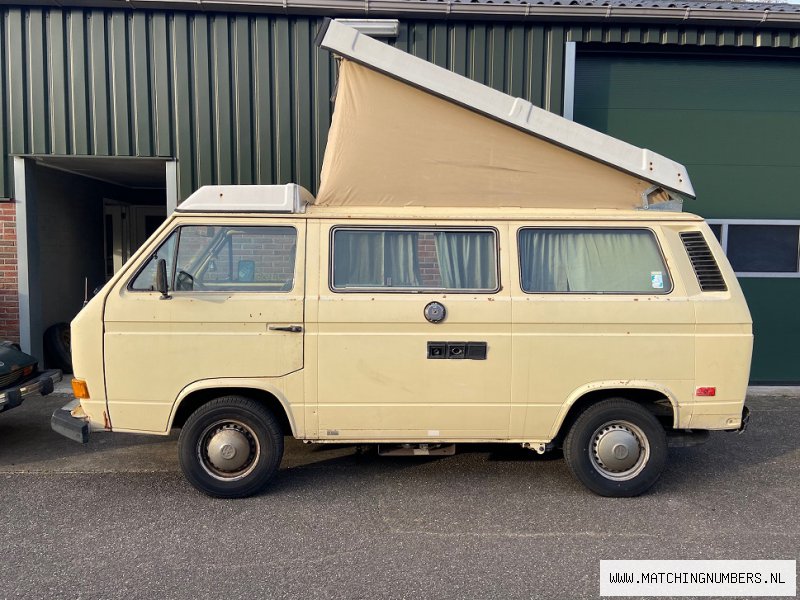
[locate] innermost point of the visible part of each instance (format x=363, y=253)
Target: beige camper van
x=541, y=286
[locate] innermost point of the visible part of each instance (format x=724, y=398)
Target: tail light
x=706, y=391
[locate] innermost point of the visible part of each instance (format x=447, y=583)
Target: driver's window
x=198, y=251
x=145, y=281
x=236, y=259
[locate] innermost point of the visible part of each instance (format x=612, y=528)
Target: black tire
x=252, y=432
x=58, y=347
x=592, y=436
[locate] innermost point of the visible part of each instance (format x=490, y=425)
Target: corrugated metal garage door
x=735, y=123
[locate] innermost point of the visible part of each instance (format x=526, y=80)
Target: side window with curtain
x=596, y=261
x=414, y=259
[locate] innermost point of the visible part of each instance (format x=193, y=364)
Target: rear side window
x=225, y=259
x=595, y=261
x=414, y=260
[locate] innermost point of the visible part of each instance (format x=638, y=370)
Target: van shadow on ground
x=27, y=444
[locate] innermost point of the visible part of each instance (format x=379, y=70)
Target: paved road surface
x=114, y=518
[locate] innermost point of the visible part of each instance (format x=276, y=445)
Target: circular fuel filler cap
x=435, y=312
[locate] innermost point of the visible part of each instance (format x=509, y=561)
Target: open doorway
x=79, y=219
x=127, y=226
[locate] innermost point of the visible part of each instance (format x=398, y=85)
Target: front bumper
x=68, y=425
x=43, y=384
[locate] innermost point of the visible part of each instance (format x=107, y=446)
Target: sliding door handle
x=289, y=328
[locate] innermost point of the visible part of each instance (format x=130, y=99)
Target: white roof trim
x=348, y=43
x=289, y=198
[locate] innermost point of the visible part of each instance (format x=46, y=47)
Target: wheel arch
x=647, y=393
x=199, y=393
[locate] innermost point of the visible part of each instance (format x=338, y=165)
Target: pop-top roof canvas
x=405, y=133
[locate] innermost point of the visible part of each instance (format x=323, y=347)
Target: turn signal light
x=706, y=391
x=80, y=389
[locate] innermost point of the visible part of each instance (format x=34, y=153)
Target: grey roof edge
x=538, y=10
x=644, y=164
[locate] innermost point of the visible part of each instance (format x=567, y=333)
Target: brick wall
x=428, y=261
x=9, y=297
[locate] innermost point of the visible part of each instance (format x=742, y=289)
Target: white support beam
x=569, y=80
x=171, y=168
x=29, y=291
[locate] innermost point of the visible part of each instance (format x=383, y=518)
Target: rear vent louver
x=703, y=263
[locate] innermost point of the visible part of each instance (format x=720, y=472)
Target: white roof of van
x=644, y=164
x=289, y=198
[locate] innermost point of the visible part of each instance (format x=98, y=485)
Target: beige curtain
x=564, y=260
x=376, y=259
x=467, y=260
x=358, y=259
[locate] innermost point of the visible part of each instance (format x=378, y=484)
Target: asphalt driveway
x=114, y=518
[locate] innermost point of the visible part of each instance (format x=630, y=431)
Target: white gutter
x=348, y=43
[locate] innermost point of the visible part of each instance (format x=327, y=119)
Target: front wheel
x=230, y=447
x=616, y=448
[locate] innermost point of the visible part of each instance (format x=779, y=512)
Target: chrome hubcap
x=228, y=450
x=619, y=450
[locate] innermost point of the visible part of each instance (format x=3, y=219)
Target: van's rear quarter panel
x=724, y=348
x=562, y=344
x=565, y=344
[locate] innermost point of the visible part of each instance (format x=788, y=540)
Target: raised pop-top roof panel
x=289, y=198
x=408, y=132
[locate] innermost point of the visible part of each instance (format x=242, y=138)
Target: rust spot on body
x=106, y=421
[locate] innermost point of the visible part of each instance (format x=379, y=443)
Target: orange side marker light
x=80, y=389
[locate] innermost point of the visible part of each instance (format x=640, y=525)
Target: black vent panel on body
x=705, y=266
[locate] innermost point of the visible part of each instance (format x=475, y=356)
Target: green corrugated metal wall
x=243, y=98
x=235, y=98
x=756, y=36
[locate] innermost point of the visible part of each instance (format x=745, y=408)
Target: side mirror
x=161, y=279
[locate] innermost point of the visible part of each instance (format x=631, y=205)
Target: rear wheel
x=616, y=448
x=230, y=447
